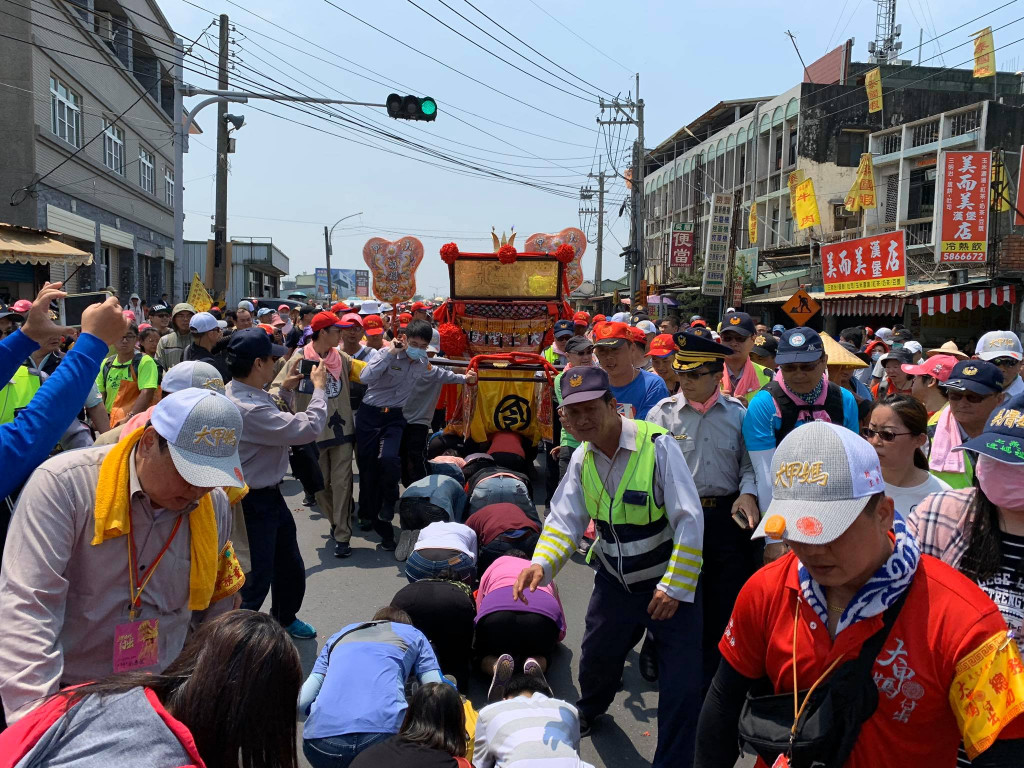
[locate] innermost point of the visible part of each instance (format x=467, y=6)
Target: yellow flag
x=806, y=205
x=862, y=193
x=794, y=178
x=752, y=224
x=873, y=85
x=984, y=53
x=198, y=296
x=1000, y=186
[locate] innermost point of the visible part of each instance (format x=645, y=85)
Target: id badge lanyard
x=135, y=594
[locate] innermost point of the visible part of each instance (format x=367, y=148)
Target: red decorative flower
x=507, y=254
x=453, y=340
x=449, y=253
x=565, y=253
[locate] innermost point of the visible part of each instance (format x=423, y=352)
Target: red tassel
x=453, y=340
x=507, y=254
x=449, y=253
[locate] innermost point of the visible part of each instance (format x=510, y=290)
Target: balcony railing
x=919, y=231
x=925, y=133
x=891, y=142
x=965, y=122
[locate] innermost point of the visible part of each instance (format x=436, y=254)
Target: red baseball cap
x=323, y=320
x=699, y=323
x=581, y=318
x=662, y=345
x=268, y=328
x=339, y=307
x=286, y=308
x=24, y=305
x=373, y=325
x=600, y=318
x=612, y=335
x=127, y=314
x=937, y=366
x=404, y=319
x=637, y=335
x=347, y=321
x=418, y=306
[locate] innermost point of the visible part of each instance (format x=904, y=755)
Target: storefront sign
x=716, y=252
x=963, y=212
x=681, y=252
x=866, y=264
x=363, y=283
x=873, y=85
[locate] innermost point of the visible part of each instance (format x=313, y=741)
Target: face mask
x=415, y=353
x=1002, y=483
x=875, y=355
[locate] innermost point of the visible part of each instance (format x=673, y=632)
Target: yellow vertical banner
x=1000, y=185
x=862, y=193
x=198, y=296
x=984, y=53
x=806, y=205
x=794, y=178
x=752, y=224
x=873, y=85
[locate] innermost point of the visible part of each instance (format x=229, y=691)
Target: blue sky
x=287, y=181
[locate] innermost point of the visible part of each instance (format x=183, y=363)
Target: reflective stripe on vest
x=635, y=541
x=17, y=393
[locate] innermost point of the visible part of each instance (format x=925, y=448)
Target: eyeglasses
x=887, y=435
x=1005, y=362
x=734, y=337
x=971, y=397
x=804, y=367
x=129, y=337
x=693, y=375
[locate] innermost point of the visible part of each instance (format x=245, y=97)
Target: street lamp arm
x=207, y=102
x=341, y=220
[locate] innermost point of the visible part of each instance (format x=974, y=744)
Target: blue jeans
x=461, y=566
x=339, y=751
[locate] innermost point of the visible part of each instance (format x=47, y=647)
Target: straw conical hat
x=839, y=356
x=949, y=348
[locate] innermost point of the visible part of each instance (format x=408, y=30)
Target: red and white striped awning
x=980, y=297
x=852, y=307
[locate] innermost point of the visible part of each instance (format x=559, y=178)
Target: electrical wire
x=573, y=32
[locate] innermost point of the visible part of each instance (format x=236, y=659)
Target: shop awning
x=34, y=246
x=979, y=297
x=668, y=301
x=861, y=306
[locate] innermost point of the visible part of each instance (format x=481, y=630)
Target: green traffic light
x=428, y=107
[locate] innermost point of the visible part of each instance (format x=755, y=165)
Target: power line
x=573, y=32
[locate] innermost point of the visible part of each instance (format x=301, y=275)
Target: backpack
x=790, y=411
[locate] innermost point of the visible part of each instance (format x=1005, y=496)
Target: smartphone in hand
x=306, y=367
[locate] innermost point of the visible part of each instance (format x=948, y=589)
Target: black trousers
x=730, y=558
x=445, y=613
x=277, y=566
x=413, y=451
x=378, y=439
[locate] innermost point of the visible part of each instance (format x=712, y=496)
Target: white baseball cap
x=202, y=429
x=192, y=373
x=823, y=476
x=996, y=344
x=202, y=322
x=647, y=327
x=369, y=308
x=243, y=304
x=435, y=342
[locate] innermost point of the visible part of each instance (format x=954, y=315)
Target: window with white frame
x=65, y=112
x=113, y=147
x=168, y=186
x=146, y=170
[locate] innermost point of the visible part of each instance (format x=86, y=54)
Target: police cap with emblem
x=977, y=376
x=584, y=383
x=738, y=322
x=693, y=351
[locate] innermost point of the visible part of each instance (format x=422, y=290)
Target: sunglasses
x=694, y=375
x=887, y=435
x=971, y=397
x=1005, y=362
x=804, y=367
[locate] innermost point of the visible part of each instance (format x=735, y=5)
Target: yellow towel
x=112, y=499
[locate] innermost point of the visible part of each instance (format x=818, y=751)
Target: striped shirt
x=528, y=731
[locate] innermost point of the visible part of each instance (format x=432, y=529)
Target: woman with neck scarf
x=799, y=392
x=709, y=427
x=902, y=657
x=979, y=530
x=743, y=378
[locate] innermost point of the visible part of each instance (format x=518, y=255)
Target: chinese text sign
x=963, y=225
x=864, y=265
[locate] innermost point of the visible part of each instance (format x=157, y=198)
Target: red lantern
x=507, y=254
x=449, y=253
x=565, y=253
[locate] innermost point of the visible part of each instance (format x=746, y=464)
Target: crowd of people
x=817, y=543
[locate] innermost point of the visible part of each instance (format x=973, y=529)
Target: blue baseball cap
x=1003, y=438
x=564, y=329
x=778, y=329
x=738, y=322
x=253, y=344
x=583, y=383
x=977, y=376
x=799, y=345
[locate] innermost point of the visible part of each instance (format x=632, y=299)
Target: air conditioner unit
x=103, y=24
x=839, y=211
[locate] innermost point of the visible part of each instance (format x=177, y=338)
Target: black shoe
x=364, y=525
x=342, y=549
x=390, y=545
x=649, y=660
x=585, y=726
x=308, y=500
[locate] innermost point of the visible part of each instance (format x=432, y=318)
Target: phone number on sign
x=961, y=257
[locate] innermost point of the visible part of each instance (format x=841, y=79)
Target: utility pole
x=631, y=111
x=327, y=253
x=587, y=193
x=220, y=224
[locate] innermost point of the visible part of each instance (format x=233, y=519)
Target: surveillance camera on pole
x=411, y=107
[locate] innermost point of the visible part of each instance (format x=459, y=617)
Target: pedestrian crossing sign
x=801, y=307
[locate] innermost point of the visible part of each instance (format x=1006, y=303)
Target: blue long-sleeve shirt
x=27, y=441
